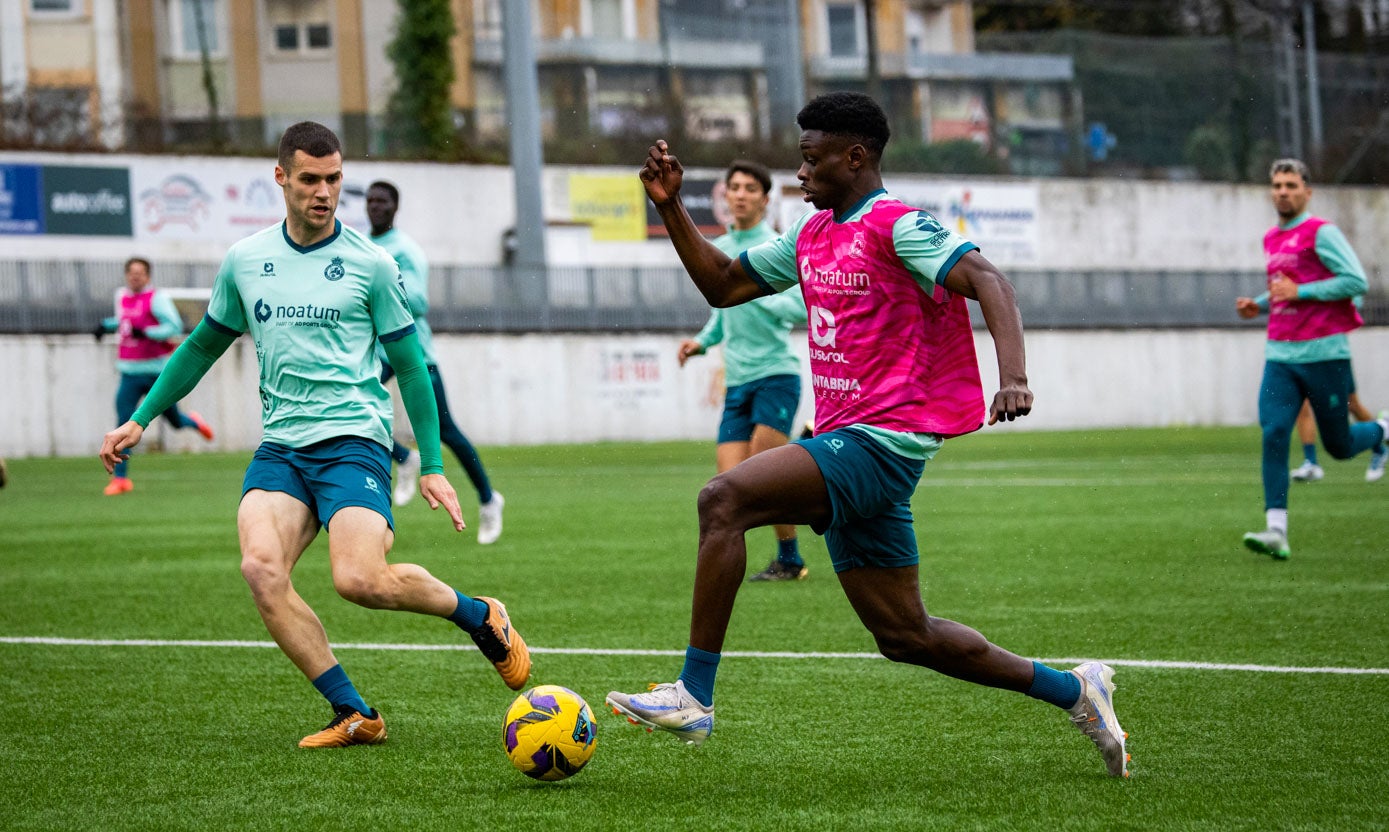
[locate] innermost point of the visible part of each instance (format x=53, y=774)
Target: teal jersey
x=170, y=326
x=754, y=334
x=315, y=314
x=1334, y=251
x=414, y=270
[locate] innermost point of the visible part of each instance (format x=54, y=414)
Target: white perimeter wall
x=57, y=392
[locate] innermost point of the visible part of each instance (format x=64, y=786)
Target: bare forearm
x=717, y=276
x=1000, y=308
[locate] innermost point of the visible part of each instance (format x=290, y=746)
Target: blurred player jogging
x=147, y=323
x=383, y=201
x=1313, y=275
x=762, y=373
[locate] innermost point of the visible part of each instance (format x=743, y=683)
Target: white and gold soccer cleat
x=1094, y=715
x=668, y=707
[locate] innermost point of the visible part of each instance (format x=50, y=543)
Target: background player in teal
x=1313, y=277
x=147, y=323
x=383, y=201
x=315, y=296
x=761, y=372
x=869, y=265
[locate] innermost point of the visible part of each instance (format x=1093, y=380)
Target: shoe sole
x=619, y=710
x=1259, y=548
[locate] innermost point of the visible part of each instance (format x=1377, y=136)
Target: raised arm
x=720, y=278
x=976, y=278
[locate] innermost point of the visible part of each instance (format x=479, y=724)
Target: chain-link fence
x=1219, y=108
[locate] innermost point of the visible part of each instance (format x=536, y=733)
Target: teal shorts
x=870, y=489
x=326, y=476
x=769, y=401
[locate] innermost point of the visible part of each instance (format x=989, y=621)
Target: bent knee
x=719, y=503
x=372, y=591
x=262, y=570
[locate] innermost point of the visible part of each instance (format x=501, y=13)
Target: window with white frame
x=843, y=29
x=185, y=17
x=300, y=26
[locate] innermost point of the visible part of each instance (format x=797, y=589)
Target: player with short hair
x=762, y=374
x=1313, y=277
x=315, y=296
x=895, y=377
x=383, y=201
x=148, y=324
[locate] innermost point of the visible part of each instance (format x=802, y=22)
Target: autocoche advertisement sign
x=90, y=201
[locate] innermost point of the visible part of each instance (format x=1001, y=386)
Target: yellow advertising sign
x=614, y=206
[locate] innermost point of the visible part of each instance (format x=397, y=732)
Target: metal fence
x=68, y=297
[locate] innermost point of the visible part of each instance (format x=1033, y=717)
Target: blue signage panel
x=21, y=199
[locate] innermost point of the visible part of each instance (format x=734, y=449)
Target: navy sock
x=470, y=613
x=698, y=675
x=789, y=553
x=1058, y=687
x=1309, y=452
x=338, y=690
x=399, y=452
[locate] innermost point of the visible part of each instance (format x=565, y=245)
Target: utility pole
x=527, y=158
x=1309, y=37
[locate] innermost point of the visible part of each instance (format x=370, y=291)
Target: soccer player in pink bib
x=895, y=375
x=1313, y=277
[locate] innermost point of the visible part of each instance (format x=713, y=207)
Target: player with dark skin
x=785, y=486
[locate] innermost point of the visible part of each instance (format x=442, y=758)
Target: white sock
x=1277, y=520
x=1384, y=426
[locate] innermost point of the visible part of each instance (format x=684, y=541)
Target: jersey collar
x=859, y=206
x=337, y=229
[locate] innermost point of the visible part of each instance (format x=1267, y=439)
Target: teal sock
x=1309, y=452
x=698, y=675
x=339, y=691
x=470, y=613
x=789, y=553
x=1058, y=687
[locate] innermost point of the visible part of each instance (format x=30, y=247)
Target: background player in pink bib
x=1313, y=276
x=894, y=373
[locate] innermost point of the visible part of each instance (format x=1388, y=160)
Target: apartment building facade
x=152, y=73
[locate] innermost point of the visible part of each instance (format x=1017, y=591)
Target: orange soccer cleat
x=349, y=727
x=503, y=646
x=201, y=424
x=118, y=485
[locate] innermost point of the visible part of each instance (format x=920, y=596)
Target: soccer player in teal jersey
x=762, y=374
x=383, y=201
x=1313, y=277
x=895, y=376
x=315, y=296
x=147, y=324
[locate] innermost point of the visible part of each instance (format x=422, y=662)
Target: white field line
x=736, y=654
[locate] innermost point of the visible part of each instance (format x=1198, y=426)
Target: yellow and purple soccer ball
x=549, y=733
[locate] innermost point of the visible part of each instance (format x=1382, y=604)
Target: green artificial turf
x=1120, y=545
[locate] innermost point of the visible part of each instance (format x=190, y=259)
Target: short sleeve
x=927, y=248
x=390, y=307
x=773, y=263
x=226, y=308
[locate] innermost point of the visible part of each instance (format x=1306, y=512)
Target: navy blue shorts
x=326, y=476
x=769, y=401
x=870, y=490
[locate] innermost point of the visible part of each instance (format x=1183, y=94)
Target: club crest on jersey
x=856, y=248
x=268, y=270
x=334, y=270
